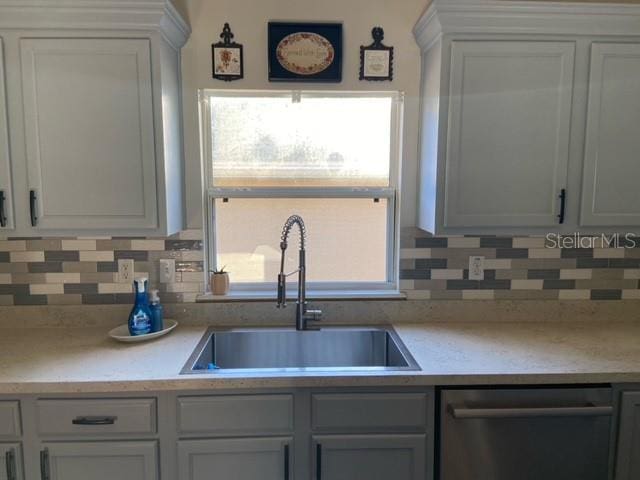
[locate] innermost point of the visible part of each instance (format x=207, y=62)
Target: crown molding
x=525, y=17
x=143, y=15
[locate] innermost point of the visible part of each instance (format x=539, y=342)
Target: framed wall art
x=227, y=57
x=305, y=52
x=376, y=60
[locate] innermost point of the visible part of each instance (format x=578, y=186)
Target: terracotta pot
x=219, y=283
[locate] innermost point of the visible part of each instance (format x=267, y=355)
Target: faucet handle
x=282, y=290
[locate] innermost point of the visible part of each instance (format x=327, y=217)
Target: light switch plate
x=125, y=271
x=168, y=270
x=476, y=268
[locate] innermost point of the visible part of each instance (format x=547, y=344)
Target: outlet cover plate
x=168, y=270
x=476, y=268
x=125, y=271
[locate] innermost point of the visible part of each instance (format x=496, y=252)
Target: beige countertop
x=66, y=360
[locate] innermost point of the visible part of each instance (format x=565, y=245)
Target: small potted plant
x=219, y=281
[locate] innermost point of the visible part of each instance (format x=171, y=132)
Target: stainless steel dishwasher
x=525, y=434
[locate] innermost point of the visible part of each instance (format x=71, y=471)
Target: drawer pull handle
x=286, y=462
x=520, y=412
x=94, y=420
x=32, y=208
x=10, y=463
x=318, y=462
x=3, y=218
x=44, y=464
x=563, y=204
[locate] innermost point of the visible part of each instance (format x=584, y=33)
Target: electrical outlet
x=125, y=271
x=168, y=270
x=476, y=268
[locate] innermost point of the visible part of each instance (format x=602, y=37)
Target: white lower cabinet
x=11, y=461
x=628, y=450
x=370, y=457
x=237, y=458
x=99, y=461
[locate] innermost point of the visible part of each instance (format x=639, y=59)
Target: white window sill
x=239, y=296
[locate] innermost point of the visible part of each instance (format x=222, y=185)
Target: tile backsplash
x=60, y=271
x=84, y=270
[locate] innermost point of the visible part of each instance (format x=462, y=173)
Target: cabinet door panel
x=89, y=132
x=611, y=167
x=239, y=459
x=508, y=137
x=628, y=453
x=6, y=202
x=102, y=461
x=369, y=457
x=11, y=461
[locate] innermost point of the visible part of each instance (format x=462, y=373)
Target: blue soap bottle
x=140, y=316
x=156, y=311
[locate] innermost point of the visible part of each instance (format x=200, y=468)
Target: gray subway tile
x=107, y=266
x=429, y=263
x=606, y=294
x=29, y=299
x=62, y=256
x=550, y=284
x=431, y=242
x=526, y=294
x=576, y=253
x=45, y=267
x=38, y=245
x=80, y=288
x=592, y=263
x=512, y=253
x=4, y=257
x=494, y=284
x=98, y=298
x=14, y=289
x=138, y=255
x=543, y=274
x=462, y=284
x=624, y=262
x=109, y=245
x=183, y=245
x=415, y=274
x=496, y=242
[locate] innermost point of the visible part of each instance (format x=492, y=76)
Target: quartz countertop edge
x=85, y=360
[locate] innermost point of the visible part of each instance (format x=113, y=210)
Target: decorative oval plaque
x=305, y=53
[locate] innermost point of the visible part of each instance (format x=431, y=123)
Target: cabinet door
x=611, y=167
x=6, y=203
x=369, y=457
x=628, y=453
x=237, y=459
x=89, y=132
x=10, y=461
x=508, y=136
x=100, y=461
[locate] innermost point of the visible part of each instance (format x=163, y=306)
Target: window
x=330, y=157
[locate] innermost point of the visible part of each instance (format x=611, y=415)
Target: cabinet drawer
x=236, y=414
x=369, y=411
x=9, y=419
x=78, y=417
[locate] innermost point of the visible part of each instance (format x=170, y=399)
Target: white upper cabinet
x=89, y=129
x=94, y=102
x=6, y=204
x=506, y=96
x=611, y=188
x=508, y=139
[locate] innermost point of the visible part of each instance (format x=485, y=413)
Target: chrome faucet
x=303, y=315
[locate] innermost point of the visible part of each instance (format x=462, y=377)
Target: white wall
x=248, y=20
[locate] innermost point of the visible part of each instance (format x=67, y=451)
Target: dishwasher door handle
x=522, y=412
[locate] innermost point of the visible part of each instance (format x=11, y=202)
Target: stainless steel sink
x=282, y=350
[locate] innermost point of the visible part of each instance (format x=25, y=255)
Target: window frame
x=390, y=193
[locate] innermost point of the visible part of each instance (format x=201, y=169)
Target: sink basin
x=328, y=349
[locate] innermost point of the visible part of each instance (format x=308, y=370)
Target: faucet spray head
x=282, y=290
